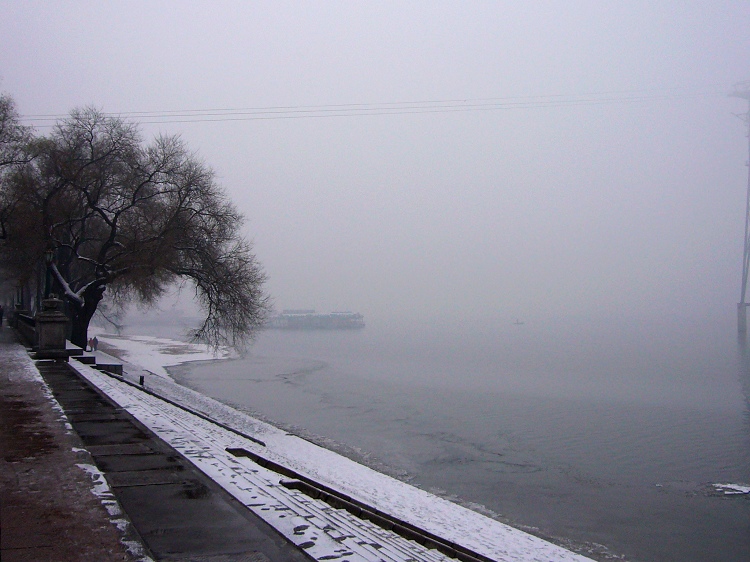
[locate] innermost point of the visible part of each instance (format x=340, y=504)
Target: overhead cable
x=393, y=108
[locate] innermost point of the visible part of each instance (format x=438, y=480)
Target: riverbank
x=584, y=435
x=403, y=502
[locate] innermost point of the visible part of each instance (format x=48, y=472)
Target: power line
x=392, y=108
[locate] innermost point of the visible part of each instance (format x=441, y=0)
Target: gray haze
x=590, y=209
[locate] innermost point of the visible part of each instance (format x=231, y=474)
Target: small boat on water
x=311, y=320
x=517, y=322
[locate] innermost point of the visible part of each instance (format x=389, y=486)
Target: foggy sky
x=595, y=209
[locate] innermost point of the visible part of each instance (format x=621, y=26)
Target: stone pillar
x=51, y=329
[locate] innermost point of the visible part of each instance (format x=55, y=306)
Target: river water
x=606, y=437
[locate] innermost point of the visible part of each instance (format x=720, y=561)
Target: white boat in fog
x=311, y=320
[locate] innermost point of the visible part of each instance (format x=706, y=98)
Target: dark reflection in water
x=744, y=373
x=607, y=433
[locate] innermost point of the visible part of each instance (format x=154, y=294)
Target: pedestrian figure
x=2, y=310
x=90, y=344
x=95, y=343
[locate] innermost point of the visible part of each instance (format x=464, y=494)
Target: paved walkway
x=48, y=510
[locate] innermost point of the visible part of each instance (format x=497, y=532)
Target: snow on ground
x=154, y=354
x=403, y=501
x=100, y=488
x=17, y=356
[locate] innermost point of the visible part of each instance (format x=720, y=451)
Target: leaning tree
x=107, y=212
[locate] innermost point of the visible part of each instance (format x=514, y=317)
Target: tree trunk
x=81, y=314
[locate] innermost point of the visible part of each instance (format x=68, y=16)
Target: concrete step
x=178, y=511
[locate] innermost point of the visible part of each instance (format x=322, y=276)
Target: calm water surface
x=605, y=434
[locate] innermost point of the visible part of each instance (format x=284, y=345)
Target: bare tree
x=14, y=143
x=111, y=213
x=13, y=135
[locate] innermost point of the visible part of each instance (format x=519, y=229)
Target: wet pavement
x=48, y=510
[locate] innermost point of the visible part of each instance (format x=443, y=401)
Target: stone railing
x=46, y=331
x=25, y=324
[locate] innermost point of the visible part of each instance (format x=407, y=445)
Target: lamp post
x=48, y=257
x=51, y=324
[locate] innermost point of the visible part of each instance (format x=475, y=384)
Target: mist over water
x=442, y=167
x=607, y=433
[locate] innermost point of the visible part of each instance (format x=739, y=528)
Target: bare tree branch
x=131, y=218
